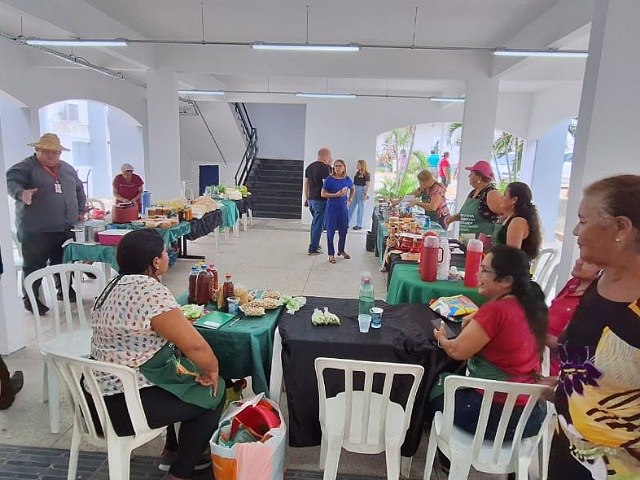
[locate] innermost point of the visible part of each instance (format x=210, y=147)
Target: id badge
x=57, y=187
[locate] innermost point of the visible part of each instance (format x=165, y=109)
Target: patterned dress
x=122, y=332
x=598, y=396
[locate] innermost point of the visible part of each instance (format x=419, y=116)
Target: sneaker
x=42, y=308
x=317, y=252
x=357, y=228
x=167, y=458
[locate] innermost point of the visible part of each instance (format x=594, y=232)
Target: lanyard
x=52, y=171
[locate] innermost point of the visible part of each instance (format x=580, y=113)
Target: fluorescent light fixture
x=326, y=95
x=305, y=47
x=76, y=42
x=541, y=53
x=201, y=92
x=447, y=99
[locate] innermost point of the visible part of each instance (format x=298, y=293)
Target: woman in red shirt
x=127, y=186
x=564, y=305
x=503, y=340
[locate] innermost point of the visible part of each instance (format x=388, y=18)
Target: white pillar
x=528, y=161
x=547, y=177
x=12, y=331
x=162, y=177
x=478, y=127
x=607, y=140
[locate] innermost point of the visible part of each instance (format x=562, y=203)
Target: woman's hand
x=440, y=333
x=209, y=379
x=551, y=383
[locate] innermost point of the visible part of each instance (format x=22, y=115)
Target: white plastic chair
x=490, y=456
x=545, y=443
x=548, y=284
x=541, y=265
x=17, y=260
x=72, y=370
x=70, y=334
x=362, y=421
x=275, y=380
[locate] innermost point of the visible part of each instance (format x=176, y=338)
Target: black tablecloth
x=205, y=225
x=406, y=336
x=244, y=204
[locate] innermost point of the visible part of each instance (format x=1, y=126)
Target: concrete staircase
x=276, y=186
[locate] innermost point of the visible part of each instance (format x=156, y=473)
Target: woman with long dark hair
x=503, y=340
x=135, y=321
x=521, y=225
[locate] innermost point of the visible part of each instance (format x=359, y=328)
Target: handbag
x=177, y=375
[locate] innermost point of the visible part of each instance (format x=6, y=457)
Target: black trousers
x=37, y=250
x=163, y=409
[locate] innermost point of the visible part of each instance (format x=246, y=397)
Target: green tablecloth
x=169, y=235
x=244, y=348
x=74, y=252
x=407, y=287
x=229, y=212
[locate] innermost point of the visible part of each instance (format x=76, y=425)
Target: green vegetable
x=324, y=318
x=191, y=311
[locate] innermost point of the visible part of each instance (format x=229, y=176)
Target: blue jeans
x=317, y=208
x=358, y=206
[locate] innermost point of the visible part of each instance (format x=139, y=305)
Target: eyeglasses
x=51, y=152
x=485, y=271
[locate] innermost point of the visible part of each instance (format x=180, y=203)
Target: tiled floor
x=272, y=254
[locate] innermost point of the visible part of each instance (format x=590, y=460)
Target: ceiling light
x=447, y=99
x=305, y=47
x=201, y=92
x=503, y=52
x=326, y=95
x=76, y=42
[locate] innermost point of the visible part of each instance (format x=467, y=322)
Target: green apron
x=162, y=370
x=471, y=222
x=478, y=368
x=433, y=215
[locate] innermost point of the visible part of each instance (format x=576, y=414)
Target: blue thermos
x=146, y=202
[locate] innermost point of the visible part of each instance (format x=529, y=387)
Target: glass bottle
x=227, y=291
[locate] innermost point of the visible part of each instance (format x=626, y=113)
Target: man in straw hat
x=49, y=199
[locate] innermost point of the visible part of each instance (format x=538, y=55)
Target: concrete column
x=547, y=177
x=478, y=126
x=607, y=138
x=528, y=161
x=162, y=177
x=12, y=331
x=100, y=162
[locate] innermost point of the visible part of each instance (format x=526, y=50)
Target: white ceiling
x=476, y=24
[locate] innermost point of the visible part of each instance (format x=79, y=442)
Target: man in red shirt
x=127, y=186
x=444, y=169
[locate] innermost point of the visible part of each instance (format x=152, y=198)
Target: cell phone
x=438, y=322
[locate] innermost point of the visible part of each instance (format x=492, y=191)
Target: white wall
x=125, y=141
x=280, y=127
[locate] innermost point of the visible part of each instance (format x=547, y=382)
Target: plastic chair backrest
x=69, y=273
x=542, y=263
x=75, y=370
x=550, y=282
x=349, y=367
x=93, y=201
x=275, y=380
x=490, y=387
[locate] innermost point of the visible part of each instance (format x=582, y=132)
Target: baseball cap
x=482, y=167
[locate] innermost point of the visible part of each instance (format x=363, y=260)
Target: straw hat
x=48, y=141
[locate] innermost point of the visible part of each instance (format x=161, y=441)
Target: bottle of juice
x=227, y=290
x=191, y=298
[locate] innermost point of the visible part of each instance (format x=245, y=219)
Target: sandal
x=332, y=259
x=345, y=255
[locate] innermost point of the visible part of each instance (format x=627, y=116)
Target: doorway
x=208, y=175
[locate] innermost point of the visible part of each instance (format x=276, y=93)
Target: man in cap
x=127, y=186
x=50, y=198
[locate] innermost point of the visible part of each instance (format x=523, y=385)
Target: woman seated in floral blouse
x=136, y=319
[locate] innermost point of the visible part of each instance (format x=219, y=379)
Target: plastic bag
x=258, y=460
x=455, y=306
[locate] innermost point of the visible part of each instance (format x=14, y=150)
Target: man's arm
x=17, y=180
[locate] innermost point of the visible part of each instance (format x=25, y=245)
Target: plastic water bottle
x=366, y=295
x=146, y=202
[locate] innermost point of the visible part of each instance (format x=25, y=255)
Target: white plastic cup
x=234, y=305
x=364, y=322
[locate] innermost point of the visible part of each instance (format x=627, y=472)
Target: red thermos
x=429, y=257
x=472, y=262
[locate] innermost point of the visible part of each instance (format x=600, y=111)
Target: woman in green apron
x=430, y=196
x=521, y=225
x=480, y=211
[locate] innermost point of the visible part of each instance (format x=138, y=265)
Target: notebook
x=214, y=320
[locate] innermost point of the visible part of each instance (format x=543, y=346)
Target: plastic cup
x=234, y=305
x=364, y=322
x=376, y=317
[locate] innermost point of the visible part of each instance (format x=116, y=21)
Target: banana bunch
x=324, y=318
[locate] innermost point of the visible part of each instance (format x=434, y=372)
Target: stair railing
x=251, y=140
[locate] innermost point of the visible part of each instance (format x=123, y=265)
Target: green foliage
x=421, y=157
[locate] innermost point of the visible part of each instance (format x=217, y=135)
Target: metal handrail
x=251, y=138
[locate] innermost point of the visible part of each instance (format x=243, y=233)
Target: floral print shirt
x=122, y=332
